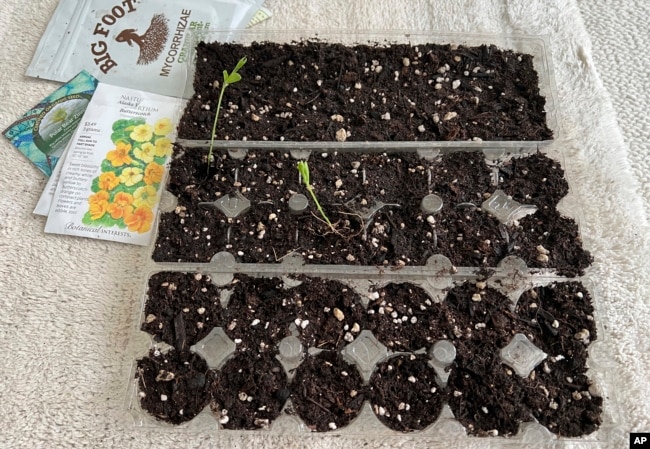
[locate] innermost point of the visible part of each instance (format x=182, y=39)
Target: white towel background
x=67, y=304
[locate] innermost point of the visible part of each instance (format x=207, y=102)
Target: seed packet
x=112, y=175
x=45, y=200
x=43, y=132
x=137, y=44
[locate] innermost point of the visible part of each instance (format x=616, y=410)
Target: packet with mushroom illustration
x=138, y=44
x=111, y=178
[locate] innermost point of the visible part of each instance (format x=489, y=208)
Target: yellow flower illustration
x=162, y=127
x=139, y=220
x=120, y=155
x=163, y=147
x=145, y=196
x=108, y=181
x=153, y=173
x=121, y=205
x=145, y=153
x=142, y=133
x=130, y=176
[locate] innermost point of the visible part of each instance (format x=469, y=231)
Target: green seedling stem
x=303, y=169
x=228, y=79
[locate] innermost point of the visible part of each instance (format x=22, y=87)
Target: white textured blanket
x=67, y=304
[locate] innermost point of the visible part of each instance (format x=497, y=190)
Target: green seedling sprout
x=303, y=169
x=228, y=79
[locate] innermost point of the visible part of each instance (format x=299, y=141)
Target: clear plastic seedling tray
x=365, y=351
x=437, y=276
x=228, y=212
x=536, y=46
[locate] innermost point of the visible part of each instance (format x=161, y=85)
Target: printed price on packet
x=112, y=176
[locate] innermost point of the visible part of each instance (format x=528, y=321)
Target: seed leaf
x=240, y=64
x=233, y=78
x=303, y=169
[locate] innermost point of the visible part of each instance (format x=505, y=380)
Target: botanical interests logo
x=150, y=43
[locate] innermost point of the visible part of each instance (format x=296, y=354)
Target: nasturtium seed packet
x=43, y=132
x=139, y=44
x=113, y=173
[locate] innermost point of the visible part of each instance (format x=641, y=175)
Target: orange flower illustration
x=98, y=197
x=153, y=173
x=98, y=204
x=121, y=205
x=139, y=220
x=127, y=188
x=120, y=155
x=108, y=181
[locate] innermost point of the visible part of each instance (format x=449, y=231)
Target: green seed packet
x=43, y=132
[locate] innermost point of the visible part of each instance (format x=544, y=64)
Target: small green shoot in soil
x=228, y=79
x=303, y=169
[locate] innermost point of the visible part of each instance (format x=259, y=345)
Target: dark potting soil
x=327, y=392
x=259, y=313
x=485, y=394
x=559, y=318
x=489, y=398
x=349, y=185
x=403, y=317
x=181, y=308
x=172, y=386
x=565, y=403
x=249, y=391
x=475, y=318
x=330, y=314
x=546, y=233
x=476, y=312
x=404, y=393
x=536, y=179
x=316, y=91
